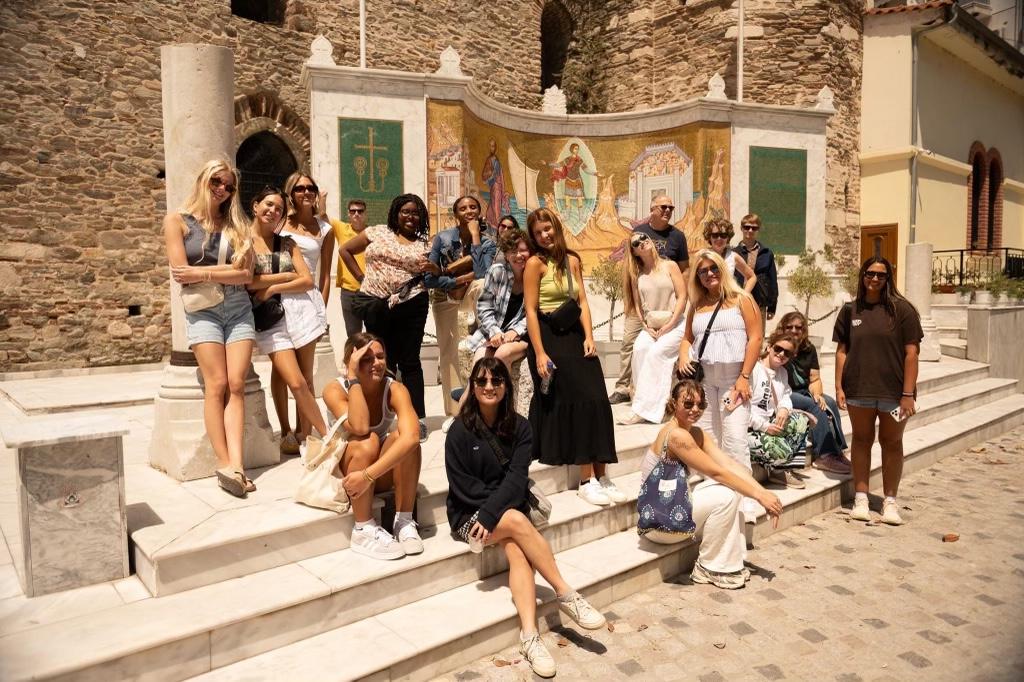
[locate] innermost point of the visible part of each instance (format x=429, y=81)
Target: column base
x=325, y=369
x=931, y=351
x=179, y=446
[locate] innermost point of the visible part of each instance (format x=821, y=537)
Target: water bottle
x=545, y=383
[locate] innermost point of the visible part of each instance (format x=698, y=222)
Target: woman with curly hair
x=718, y=233
x=392, y=298
x=879, y=338
x=209, y=249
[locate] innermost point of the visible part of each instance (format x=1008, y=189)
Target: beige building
x=942, y=132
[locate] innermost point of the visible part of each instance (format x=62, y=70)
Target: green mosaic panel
x=370, y=154
x=778, y=193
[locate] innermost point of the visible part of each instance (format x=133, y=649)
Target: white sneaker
x=374, y=541
x=580, y=610
x=592, y=492
x=447, y=424
x=860, y=511
x=536, y=654
x=609, y=489
x=891, y=513
x=409, y=538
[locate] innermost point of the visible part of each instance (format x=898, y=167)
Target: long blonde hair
x=632, y=267
x=201, y=205
x=289, y=185
x=729, y=291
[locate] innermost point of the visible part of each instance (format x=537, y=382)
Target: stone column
x=198, y=119
x=919, y=292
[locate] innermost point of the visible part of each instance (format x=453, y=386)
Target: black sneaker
x=617, y=398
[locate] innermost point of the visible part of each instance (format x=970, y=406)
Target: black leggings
x=402, y=330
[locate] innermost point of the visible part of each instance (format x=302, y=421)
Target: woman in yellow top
x=570, y=414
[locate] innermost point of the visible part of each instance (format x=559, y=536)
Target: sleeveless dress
x=305, y=313
x=572, y=424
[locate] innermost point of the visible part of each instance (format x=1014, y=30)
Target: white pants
x=728, y=428
x=653, y=363
x=716, y=512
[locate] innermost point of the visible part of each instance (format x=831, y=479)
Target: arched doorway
x=556, y=29
x=264, y=159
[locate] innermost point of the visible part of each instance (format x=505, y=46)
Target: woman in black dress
x=570, y=413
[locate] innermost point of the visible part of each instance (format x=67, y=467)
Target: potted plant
x=963, y=294
x=605, y=279
x=983, y=295
x=1017, y=291
x=999, y=287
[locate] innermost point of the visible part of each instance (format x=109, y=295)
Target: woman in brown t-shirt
x=878, y=336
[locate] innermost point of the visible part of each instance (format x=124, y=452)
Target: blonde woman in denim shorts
x=221, y=336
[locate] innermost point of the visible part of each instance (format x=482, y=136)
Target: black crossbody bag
x=698, y=370
x=540, y=506
x=271, y=311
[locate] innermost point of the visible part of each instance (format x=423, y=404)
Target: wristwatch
x=349, y=383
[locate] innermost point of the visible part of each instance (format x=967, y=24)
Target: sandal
x=231, y=481
x=250, y=487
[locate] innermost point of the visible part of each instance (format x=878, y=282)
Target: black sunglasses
x=305, y=188
x=876, y=275
x=795, y=327
x=217, y=182
x=638, y=240
x=690, y=404
x=720, y=235
x=755, y=228
x=779, y=350
x=709, y=270
x=665, y=208
x=357, y=210
x=496, y=382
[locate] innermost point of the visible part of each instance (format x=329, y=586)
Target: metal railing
x=975, y=267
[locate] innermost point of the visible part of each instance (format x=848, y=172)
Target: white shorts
x=274, y=339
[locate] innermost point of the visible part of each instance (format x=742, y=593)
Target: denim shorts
x=227, y=322
x=880, y=405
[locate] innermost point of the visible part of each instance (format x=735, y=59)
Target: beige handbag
x=203, y=295
x=656, y=319
x=321, y=482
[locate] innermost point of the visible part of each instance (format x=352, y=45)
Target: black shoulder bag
x=540, y=506
x=566, y=315
x=698, y=370
x=269, y=312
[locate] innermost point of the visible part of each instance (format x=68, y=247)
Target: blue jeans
x=825, y=438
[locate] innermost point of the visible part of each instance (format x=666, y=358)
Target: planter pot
x=608, y=352
x=983, y=297
x=963, y=298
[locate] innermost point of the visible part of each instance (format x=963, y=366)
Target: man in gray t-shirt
x=671, y=244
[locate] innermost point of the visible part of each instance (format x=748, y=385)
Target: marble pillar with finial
x=198, y=120
x=919, y=292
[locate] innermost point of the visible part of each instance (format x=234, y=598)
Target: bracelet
x=908, y=395
x=368, y=477
x=745, y=376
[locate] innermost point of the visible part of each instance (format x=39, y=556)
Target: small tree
x=606, y=280
x=809, y=281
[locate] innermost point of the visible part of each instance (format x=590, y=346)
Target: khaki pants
x=452, y=320
x=631, y=328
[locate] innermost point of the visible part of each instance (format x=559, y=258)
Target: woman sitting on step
x=716, y=504
x=487, y=502
x=377, y=457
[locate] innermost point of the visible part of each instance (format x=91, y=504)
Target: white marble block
x=67, y=527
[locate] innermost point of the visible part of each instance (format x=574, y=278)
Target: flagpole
x=739, y=56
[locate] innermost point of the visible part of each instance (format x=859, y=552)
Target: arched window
x=977, y=204
x=263, y=159
x=556, y=29
x=994, y=223
x=263, y=11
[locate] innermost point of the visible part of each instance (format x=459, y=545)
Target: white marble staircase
x=266, y=589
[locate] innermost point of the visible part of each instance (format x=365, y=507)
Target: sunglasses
x=505, y=226
x=876, y=275
x=748, y=228
x=638, y=240
x=301, y=189
x=496, y=382
x=690, y=404
x=710, y=270
x=357, y=210
x=218, y=183
x=665, y=208
x=720, y=235
x=779, y=350
x=794, y=327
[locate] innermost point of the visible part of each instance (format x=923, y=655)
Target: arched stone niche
x=263, y=111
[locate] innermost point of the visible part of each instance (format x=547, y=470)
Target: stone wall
x=666, y=52
x=83, y=277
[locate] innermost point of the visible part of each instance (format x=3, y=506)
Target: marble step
x=248, y=615
x=242, y=540
x=239, y=540
x=429, y=637
x=953, y=332
x=956, y=348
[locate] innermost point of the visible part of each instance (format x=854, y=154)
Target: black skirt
x=573, y=423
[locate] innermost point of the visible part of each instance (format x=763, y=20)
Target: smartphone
x=897, y=416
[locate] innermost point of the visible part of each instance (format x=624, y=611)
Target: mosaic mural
x=600, y=187
x=370, y=153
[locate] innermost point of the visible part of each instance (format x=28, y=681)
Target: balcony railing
x=974, y=267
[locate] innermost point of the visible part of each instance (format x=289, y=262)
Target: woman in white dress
x=306, y=314
x=654, y=291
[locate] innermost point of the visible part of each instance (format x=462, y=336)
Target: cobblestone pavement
x=837, y=600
